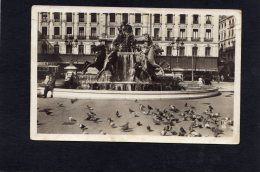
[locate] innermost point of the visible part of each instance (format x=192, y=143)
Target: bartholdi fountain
x=128, y=71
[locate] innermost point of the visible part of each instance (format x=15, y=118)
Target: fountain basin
x=193, y=93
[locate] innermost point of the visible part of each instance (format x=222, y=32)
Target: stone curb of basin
x=126, y=95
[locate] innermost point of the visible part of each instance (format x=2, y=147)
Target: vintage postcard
x=124, y=74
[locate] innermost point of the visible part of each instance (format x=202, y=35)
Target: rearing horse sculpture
x=100, y=58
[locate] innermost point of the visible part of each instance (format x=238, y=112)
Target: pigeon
x=47, y=111
x=109, y=119
x=117, y=114
x=102, y=132
x=73, y=100
x=216, y=131
x=210, y=108
x=149, y=128
x=60, y=104
x=139, y=123
x=182, y=132
x=112, y=124
x=142, y=107
x=125, y=127
x=173, y=108
x=71, y=119
x=163, y=133
x=174, y=132
x=90, y=108
x=94, y=119
x=195, y=134
x=82, y=127
x=131, y=111
x=93, y=113
x=156, y=122
x=149, y=107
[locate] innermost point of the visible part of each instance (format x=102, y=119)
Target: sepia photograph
x=124, y=74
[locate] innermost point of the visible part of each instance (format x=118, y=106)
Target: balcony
x=183, y=38
x=157, y=38
x=80, y=37
x=57, y=20
x=93, y=37
x=69, y=37
x=195, y=39
x=169, y=38
x=56, y=36
x=208, y=39
x=43, y=36
x=45, y=20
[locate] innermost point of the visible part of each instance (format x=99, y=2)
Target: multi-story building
x=64, y=35
x=227, y=40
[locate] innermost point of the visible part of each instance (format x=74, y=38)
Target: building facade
x=198, y=34
x=227, y=41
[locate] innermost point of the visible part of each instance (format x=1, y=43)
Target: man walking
x=50, y=85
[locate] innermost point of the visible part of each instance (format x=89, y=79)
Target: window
x=195, y=33
x=69, y=49
x=81, y=17
x=112, y=31
x=208, y=33
x=207, y=51
x=156, y=18
x=69, y=17
x=56, y=17
x=56, y=30
x=44, y=31
x=194, y=51
x=93, y=31
x=169, y=51
x=137, y=31
x=93, y=17
x=69, y=30
x=169, y=18
x=44, y=16
x=81, y=49
x=125, y=17
x=182, y=33
x=182, y=19
x=208, y=19
x=182, y=51
x=44, y=48
x=112, y=17
x=169, y=33
x=156, y=32
x=91, y=49
x=81, y=31
x=195, y=19
x=138, y=18
x=56, y=49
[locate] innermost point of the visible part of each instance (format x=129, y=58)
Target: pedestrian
x=222, y=78
x=50, y=85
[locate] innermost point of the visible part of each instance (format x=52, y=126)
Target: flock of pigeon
x=167, y=118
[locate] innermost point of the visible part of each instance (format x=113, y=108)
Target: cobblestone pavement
x=58, y=120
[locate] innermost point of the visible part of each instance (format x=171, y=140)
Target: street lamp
x=73, y=43
x=192, y=61
x=179, y=43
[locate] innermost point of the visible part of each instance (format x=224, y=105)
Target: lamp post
x=179, y=43
x=192, y=62
x=73, y=43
